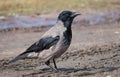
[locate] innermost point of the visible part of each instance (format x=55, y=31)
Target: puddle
x=92, y=20
x=29, y=21
x=25, y=21
x=106, y=17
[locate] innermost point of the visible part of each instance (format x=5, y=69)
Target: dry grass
x=11, y=7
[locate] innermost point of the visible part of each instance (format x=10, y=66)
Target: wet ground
x=94, y=52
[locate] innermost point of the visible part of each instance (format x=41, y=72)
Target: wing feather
x=43, y=43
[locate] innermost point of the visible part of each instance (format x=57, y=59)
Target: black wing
x=43, y=43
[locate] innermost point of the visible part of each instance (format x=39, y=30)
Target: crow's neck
x=68, y=32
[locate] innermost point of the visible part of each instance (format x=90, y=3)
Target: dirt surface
x=94, y=52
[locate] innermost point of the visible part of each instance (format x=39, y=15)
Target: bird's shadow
x=63, y=69
x=48, y=70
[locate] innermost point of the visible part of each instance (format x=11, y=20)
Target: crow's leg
x=55, y=64
x=48, y=64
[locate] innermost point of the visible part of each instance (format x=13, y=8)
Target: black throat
x=68, y=32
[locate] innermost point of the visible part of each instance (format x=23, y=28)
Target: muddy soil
x=97, y=61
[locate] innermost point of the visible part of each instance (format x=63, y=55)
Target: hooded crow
x=54, y=42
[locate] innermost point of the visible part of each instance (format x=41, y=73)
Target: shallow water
x=101, y=18
x=25, y=21
x=91, y=20
x=29, y=21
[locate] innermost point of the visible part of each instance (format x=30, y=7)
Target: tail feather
x=21, y=56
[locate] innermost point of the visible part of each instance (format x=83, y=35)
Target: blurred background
x=25, y=7
x=18, y=13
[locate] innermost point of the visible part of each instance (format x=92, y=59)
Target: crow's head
x=67, y=17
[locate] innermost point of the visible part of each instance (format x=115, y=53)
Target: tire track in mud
x=95, y=61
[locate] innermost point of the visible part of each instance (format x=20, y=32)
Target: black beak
x=74, y=14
